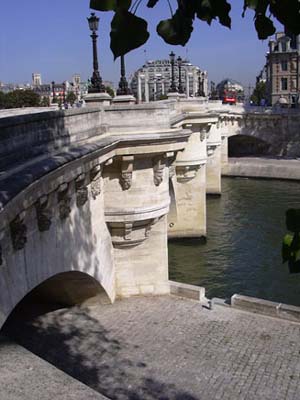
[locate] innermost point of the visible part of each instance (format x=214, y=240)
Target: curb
x=266, y=307
x=188, y=291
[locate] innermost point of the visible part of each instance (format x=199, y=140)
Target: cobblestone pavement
x=167, y=348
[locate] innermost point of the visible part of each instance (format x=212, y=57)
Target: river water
x=242, y=255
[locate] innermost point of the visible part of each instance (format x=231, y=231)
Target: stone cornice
x=19, y=189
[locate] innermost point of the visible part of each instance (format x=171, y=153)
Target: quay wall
x=262, y=168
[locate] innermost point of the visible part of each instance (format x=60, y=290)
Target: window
x=284, y=83
x=284, y=65
x=283, y=46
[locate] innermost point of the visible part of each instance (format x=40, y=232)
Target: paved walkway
x=167, y=348
x=24, y=376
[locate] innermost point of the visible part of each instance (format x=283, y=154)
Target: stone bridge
x=89, y=197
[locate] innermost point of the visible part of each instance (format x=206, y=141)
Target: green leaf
x=293, y=219
x=286, y=247
x=109, y=5
x=176, y=30
x=251, y=4
x=288, y=13
x=103, y=5
x=207, y=10
x=127, y=32
x=152, y=3
x=264, y=27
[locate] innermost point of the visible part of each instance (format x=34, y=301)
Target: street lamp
x=123, y=84
x=179, y=62
x=172, y=61
x=53, y=90
x=96, y=80
x=200, y=84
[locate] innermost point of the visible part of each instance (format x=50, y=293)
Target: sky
x=53, y=38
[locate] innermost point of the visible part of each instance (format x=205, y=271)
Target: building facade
x=282, y=70
x=153, y=80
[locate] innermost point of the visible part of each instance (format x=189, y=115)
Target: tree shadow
x=78, y=344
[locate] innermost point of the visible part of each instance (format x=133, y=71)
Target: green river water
x=242, y=255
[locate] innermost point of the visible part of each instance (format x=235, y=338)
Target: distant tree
x=259, y=93
x=2, y=100
x=162, y=97
x=110, y=91
x=22, y=98
x=45, y=102
x=71, y=98
x=54, y=100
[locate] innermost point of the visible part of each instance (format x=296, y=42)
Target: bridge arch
x=247, y=145
x=62, y=290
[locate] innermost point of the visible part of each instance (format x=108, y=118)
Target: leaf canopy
x=129, y=31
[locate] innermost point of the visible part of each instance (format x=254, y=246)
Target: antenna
x=145, y=54
x=186, y=53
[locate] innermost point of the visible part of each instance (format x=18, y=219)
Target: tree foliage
x=291, y=242
x=128, y=31
x=20, y=98
x=71, y=98
x=259, y=93
x=110, y=91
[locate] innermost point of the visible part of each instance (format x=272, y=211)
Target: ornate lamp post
x=64, y=92
x=200, y=84
x=96, y=80
x=172, y=61
x=123, y=84
x=53, y=90
x=179, y=62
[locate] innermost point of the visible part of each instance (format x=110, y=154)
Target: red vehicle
x=229, y=97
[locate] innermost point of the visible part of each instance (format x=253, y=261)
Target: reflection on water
x=242, y=255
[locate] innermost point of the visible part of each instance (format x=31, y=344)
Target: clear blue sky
x=52, y=37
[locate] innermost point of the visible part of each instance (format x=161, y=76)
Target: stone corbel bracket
x=126, y=172
x=159, y=164
x=206, y=131
x=64, y=201
x=211, y=149
x=43, y=213
x=186, y=173
x=130, y=233
x=1, y=250
x=18, y=232
x=81, y=190
x=95, y=179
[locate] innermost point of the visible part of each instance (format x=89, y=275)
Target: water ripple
x=242, y=253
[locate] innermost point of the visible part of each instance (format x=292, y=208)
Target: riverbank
x=267, y=168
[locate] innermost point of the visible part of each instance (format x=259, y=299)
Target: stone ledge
x=187, y=291
x=265, y=307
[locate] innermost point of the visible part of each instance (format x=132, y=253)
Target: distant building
x=36, y=79
x=282, y=69
x=43, y=90
x=153, y=80
x=230, y=85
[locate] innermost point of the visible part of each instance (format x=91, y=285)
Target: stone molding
x=131, y=233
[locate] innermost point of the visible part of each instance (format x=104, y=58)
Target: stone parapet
x=265, y=307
